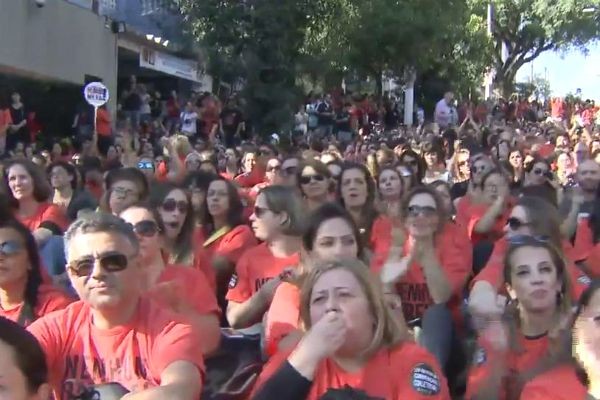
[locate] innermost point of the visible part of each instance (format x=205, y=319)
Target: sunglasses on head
x=145, y=165
x=426, y=211
x=172, y=205
x=528, y=239
x=305, y=179
x=110, y=262
x=515, y=223
x=260, y=211
x=10, y=248
x=146, y=228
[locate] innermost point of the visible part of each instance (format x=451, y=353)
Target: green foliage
x=527, y=28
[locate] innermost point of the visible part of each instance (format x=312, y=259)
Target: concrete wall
x=59, y=41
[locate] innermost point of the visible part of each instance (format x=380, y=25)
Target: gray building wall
x=59, y=41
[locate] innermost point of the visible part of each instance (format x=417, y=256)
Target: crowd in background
x=176, y=253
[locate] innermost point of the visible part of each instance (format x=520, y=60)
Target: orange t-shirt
x=231, y=246
x=5, y=120
x=406, y=371
x=283, y=316
x=515, y=362
x=46, y=212
x=192, y=289
x=254, y=268
x=493, y=270
x=134, y=355
x=560, y=383
x=49, y=299
x=585, y=248
x=381, y=236
x=454, y=252
x=103, y=122
x=469, y=214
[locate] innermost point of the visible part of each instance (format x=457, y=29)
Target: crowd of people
x=356, y=259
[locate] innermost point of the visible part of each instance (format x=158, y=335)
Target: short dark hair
x=128, y=174
x=67, y=167
x=95, y=222
x=27, y=352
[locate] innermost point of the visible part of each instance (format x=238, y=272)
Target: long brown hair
x=559, y=335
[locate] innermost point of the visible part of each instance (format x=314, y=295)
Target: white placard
x=96, y=94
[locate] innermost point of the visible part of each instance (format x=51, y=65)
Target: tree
x=527, y=28
x=257, y=42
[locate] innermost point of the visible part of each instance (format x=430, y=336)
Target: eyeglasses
x=10, y=248
x=123, y=192
x=110, y=262
x=145, y=165
x=528, y=239
x=275, y=168
x=171, y=205
x=516, y=223
x=305, y=179
x=426, y=211
x=260, y=211
x=145, y=228
x=411, y=162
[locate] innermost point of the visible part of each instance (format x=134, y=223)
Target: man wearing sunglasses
x=114, y=335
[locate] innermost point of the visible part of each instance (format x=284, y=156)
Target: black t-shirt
x=17, y=114
x=232, y=118
x=132, y=102
x=324, y=107
x=343, y=121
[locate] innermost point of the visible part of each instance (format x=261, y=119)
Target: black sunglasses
x=110, y=262
x=146, y=228
x=260, y=211
x=539, y=171
x=10, y=248
x=171, y=205
x=305, y=179
x=516, y=223
x=426, y=211
x=528, y=239
x=145, y=165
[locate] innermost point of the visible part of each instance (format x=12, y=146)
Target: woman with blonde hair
x=352, y=341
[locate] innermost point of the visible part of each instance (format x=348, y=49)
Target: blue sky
x=568, y=71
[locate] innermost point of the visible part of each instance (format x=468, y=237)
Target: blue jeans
x=436, y=333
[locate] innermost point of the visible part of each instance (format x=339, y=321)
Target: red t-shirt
x=254, y=268
x=381, y=236
x=406, y=371
x=585, y=248
x=46, y=212
x=283, y=316
x=49, y=299
x=469, y=214
x=493, y=273
x=560, y=383
x=135, y=354
x=516, y=362
x=455, y=256
x=231, y=246
x=189, y=286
